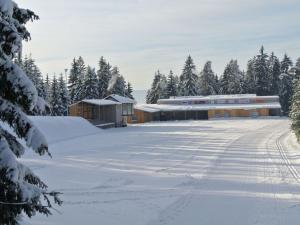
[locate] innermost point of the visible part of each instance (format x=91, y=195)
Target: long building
x=208, y=107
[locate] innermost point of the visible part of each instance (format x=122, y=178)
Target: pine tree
x=81, y=68
x=117, y=84
x=90, y=85
x=33, y=72
x=261, y=70
x=76, y=79
x=295, y=110
x=158, y=89
x=189, y=79
x=47, y=88
x=64, y=96
x=21, y=191
x=207, y=80
x=129, y=90
x=250, y=79
x=172, y=86
x=285, y=92
x=55, y=99
x=231, y=82
x=104, y=76
x=274, y=71
x=73, y=80
x=297, y=69
x=285, y=64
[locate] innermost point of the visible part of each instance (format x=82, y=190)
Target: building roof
x=121, y=99
x=216, y=97
x=169, y=108
x=100, y=102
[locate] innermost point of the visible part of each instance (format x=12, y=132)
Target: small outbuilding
x=113, y=111
x=100, y=112
x=127, y=104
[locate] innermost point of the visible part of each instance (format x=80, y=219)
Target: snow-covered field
x=223, y=172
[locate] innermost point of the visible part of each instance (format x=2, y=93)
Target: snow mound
x=61, y=128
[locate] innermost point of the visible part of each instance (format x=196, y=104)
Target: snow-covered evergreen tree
x=55, y=99
x=295, y=110
x=274, y=71
x=172, y=86
x=285, y=92
x=158, y=89
x=297, y=69
x=64, y=96
x=250, y=79
x=47, y=85
x=81, y=71
x=90, y=85
x=73, y=80
x=21, y=191
x=81, y=68
x=207, y=80
x=262, y=76
x=286, y=64
x=231, y=82
x=188, y=85
x=34, y=74
x=129, y=90
x=104, y=76
x=117, y=84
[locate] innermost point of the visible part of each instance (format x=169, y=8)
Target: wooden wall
x=237, y=113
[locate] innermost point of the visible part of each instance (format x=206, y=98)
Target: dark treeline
x=84, y=82
x=266, y=75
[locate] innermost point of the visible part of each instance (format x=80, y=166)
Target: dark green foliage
x=207, y=80
x=172, y=85
x=188, y=84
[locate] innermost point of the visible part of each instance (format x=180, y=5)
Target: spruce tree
x=33, y=72
x=261, y=71
x=172, y=88
x=55, y=98
x=274, y=71
x=286, y=64
x=297, y=69
x=21, y=191
x=64, y=96
x=285, y=92
x=90, y=85
x=189, y=79
x=250, y=79
x=158, y=89
x=207, y=80
x=73, y=80
x=117, y=84
x=231, y=82
x=295, y=110
x=47, y=85
x=104, y=76
x=129, y=90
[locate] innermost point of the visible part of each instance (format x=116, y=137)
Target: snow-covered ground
x=229, y=172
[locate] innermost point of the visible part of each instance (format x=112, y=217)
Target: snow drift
x=62, y=127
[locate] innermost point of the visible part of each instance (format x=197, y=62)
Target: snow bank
x=61, y=128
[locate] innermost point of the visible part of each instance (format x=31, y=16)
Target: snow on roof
x=121, y=99
x=100, y=102
x=169, y=108
x=146, y=108
x=216, y=97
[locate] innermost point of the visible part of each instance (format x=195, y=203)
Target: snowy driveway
x=241, y=172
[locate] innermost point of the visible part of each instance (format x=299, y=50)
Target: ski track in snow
x=191, y=172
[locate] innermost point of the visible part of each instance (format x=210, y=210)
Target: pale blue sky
x=141, y=36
